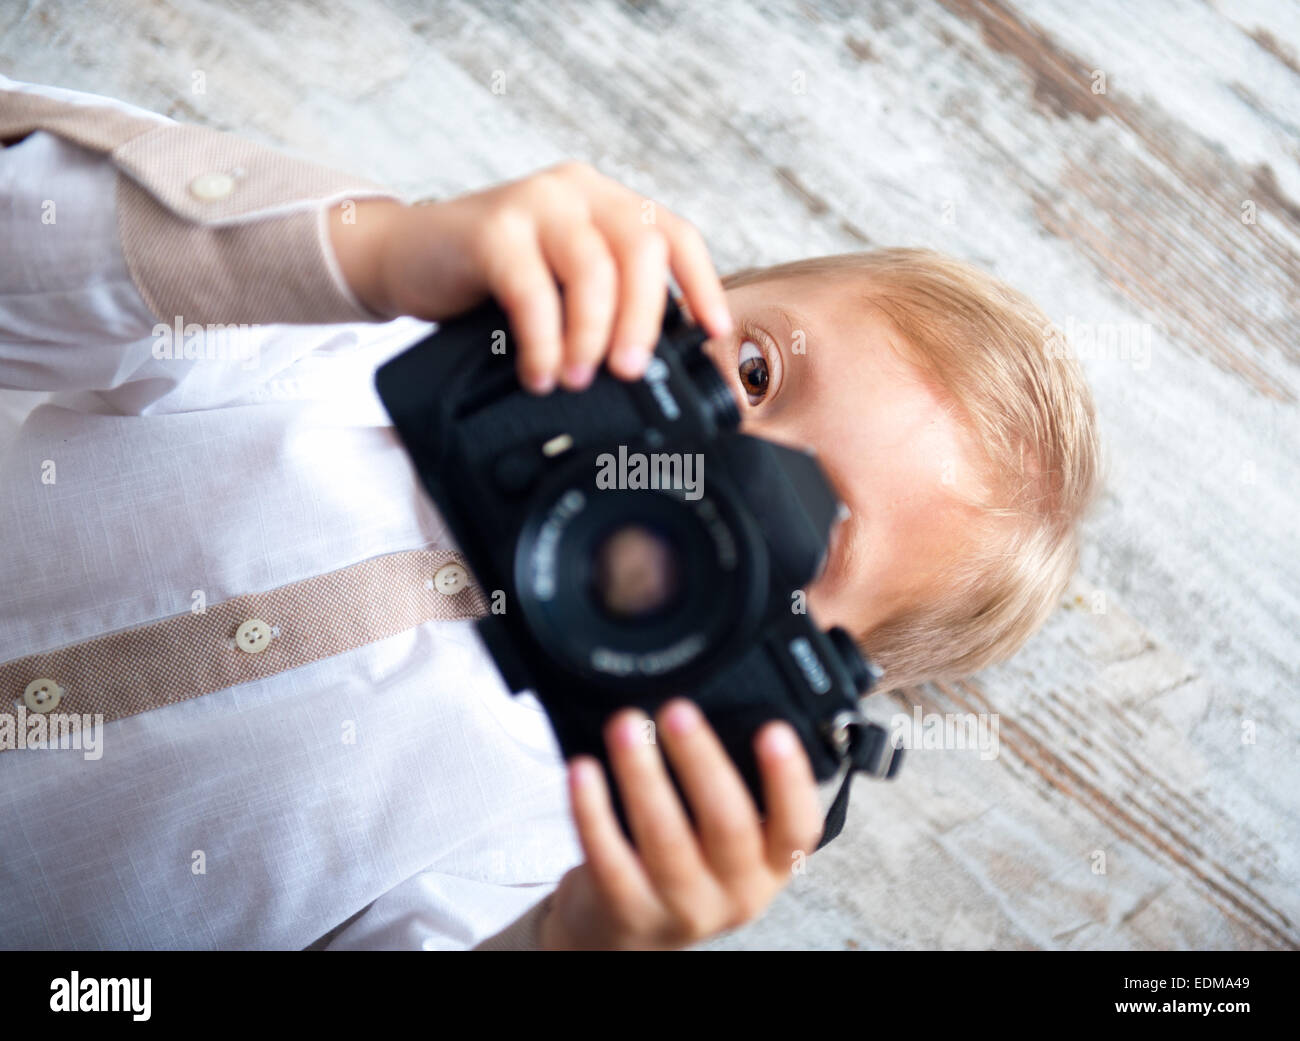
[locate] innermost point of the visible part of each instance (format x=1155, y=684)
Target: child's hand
x=609, y=248
x=680, y=885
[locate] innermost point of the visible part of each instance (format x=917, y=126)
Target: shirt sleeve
x=115, y=218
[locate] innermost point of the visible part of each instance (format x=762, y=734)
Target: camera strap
x=870, y=752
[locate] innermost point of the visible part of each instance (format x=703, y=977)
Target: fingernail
x=583, y=773
x=683, y=717
x=630, y=359
x=578, y=375
x=541, y=383
x=631, y=730
x=720, y=320
x=781, y=741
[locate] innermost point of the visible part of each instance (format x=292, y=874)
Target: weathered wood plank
x=1126, y=727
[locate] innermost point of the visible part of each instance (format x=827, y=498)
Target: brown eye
x=752, y=367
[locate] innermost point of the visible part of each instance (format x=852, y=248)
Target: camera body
x=645, y=547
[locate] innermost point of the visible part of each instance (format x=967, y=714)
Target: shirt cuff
x=214, y=228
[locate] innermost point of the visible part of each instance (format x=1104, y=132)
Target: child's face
x=895, y=455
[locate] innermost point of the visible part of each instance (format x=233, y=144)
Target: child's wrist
x=358, y=233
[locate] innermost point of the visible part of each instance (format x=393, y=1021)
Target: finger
x=794, y=817
x=642, y=256
x=693, y=268
x=662, y=833
x=585, y=267
x=726, y=819
x=520, y=279
x=615, y=870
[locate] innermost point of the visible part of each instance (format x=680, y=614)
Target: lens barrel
x=716, y=396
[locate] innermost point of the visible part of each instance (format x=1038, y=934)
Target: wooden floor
x=1122, y=163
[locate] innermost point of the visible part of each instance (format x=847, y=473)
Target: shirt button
x=42, y=695
x=253, y=636
x=210, y=187
x=450, y=579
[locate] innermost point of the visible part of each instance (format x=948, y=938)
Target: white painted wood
x=1121, y=732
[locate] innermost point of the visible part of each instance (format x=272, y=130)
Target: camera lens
x=636, y=573
x=715, y=395
x=638, y=586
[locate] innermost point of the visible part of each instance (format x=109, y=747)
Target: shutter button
x=42, y=695
x=450, y=579
x=210, y=187
x=253, y=636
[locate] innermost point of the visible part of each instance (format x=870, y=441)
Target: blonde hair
x=995, y=357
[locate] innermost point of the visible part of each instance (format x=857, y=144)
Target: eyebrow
x=795, y=322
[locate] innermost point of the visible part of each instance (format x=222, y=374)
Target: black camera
x=645, y=548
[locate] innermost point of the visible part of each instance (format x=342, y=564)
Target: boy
x=228, y=559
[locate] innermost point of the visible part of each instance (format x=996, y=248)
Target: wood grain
x=1151, y=728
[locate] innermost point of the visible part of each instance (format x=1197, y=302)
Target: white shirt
x=447, y=817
